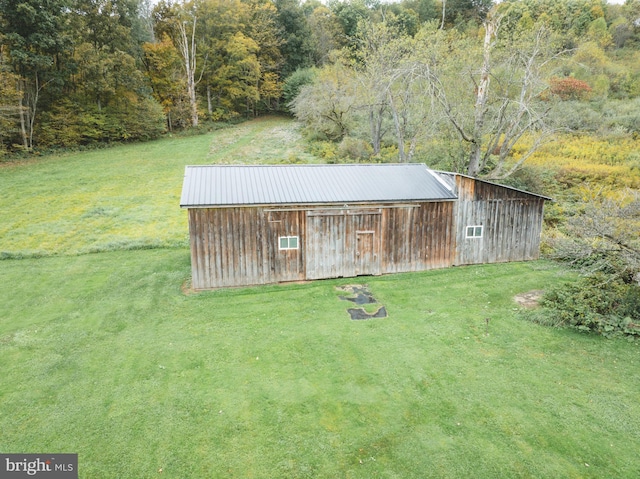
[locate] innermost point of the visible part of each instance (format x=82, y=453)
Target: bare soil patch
x=187, y=288
x=529, y=299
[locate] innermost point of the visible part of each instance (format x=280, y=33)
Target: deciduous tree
x=392, y=89
x=327, y=105
x=10, y=103
x=605, y=237
x=164, y=70
x=491, y=94
x=187, y=46
x=35, y=37
x=263, y=28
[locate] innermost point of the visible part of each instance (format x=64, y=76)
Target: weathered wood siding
x=239, y=246
x=343, y=242
x=420, y=237
x=511, y=221
x=389, y=239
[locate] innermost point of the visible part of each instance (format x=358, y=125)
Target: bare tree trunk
x=209, y=103
x=399, y=130
x=444, y=8
x=375, y=122
x=375, y=138
x=32, y=111
x=412, y=148
x=32, y=107
x=23, y=123
x=480, y=108
x=188, y=50
x=28, y=104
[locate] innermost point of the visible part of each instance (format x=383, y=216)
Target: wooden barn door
x=365, y=227
x=367, y=261
x=325, y=245
x=342, y=243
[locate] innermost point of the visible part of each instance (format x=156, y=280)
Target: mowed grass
x=108, y=355
x=126, y=197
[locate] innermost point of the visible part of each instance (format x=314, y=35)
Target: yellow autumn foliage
x=609, y=163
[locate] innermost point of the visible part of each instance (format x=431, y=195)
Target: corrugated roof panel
x=298, y=189
x=222, y=185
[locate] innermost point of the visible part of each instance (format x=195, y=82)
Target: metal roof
x=248, y=185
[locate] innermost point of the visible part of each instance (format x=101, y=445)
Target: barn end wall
x=511, y=222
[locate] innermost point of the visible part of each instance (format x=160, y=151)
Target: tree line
x=479, y=96
x=379, y=78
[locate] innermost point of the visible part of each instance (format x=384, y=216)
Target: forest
x=465, y=84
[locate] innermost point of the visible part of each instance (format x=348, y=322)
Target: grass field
x=125, y=197
x=107, y=355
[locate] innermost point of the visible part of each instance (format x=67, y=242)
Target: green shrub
x=389, y=154
x=537, y=179
x=596, y=303
x=355, y=149
x=143, y=120
x=578, y=116
x=326, y=150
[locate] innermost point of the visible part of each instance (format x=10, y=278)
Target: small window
x=288, y=242
x=474, y=231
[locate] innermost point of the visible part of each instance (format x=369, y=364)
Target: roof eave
x=321, y=204
x=496, y=184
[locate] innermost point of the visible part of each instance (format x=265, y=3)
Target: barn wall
x=416, y=238
x=239, y=246
x=511, y=221
x=389, y=239
x=284, y=265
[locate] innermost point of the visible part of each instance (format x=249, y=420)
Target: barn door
x=367, y=259
x=325, y=247
x=342, y=243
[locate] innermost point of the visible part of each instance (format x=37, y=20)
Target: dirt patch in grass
x=187, y=288
x=359, y=294
x=529, y=299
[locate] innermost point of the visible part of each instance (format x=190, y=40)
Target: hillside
x=126, y=197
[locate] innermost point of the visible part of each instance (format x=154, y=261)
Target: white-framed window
x=474, y=232
x=288, y=242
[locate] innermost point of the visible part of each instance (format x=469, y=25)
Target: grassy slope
x=125, y=197
x=104, y=355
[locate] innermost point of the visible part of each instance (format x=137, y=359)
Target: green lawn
x=108, y=356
